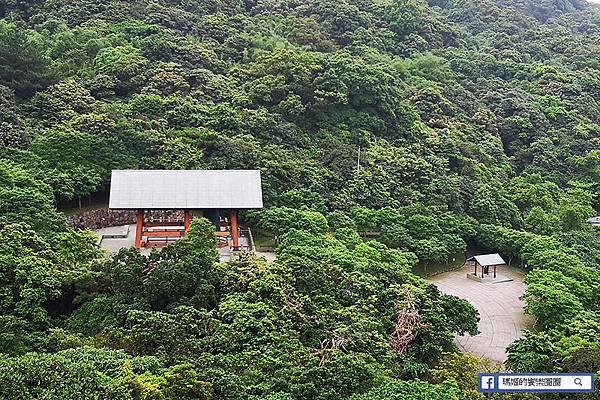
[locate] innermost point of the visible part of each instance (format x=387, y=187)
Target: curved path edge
x=502, y=319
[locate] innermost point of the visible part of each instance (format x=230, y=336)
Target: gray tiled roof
x=488, y=259
x=181, y=189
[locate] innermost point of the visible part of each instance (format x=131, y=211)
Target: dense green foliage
x=427, y=124
x=323, y=312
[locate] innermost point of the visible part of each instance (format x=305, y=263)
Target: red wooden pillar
x=139, y=228
x=187, y=218
x=234, y=230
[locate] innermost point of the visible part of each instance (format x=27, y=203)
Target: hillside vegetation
x=436, y=123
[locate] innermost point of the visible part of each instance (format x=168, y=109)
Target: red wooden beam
x=139, y=227
x=234, y=230
x=187, y=218
x=165, y=234
x=149, y=224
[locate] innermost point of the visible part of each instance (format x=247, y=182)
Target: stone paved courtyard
x=499, y=306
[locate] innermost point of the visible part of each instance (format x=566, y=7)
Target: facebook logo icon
x=487, y=382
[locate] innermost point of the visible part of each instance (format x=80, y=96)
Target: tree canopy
x=388, y=133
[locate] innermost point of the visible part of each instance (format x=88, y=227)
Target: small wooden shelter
x=485, y=261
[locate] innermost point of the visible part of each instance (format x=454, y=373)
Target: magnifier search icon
x=577, y=381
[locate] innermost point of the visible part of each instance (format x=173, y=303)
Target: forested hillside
x=435, y=123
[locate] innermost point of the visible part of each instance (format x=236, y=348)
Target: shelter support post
x=494, y=271
x=187, y=218
x=475, y=268
x=139, y=228
x=234, y=230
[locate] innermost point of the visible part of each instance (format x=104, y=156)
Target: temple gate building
x=166, y=201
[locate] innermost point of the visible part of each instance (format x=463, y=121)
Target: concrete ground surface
x=500, y=309
x=114, y=244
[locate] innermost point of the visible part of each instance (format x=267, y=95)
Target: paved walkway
x=499, y=306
